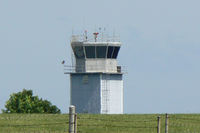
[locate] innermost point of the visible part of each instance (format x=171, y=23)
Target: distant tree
x=25, y=102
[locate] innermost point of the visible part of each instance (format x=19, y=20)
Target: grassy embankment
x=130, y=123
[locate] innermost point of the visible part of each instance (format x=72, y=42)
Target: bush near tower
x=25, y=102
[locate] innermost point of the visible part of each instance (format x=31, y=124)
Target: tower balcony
x=93, y=69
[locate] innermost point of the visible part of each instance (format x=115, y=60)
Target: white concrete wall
x=96, y=65
x=85, y=93
x=111, y=94
x=101, y=65
x=97, y=93
x=116, y=96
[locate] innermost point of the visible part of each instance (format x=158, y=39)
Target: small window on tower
x=110, y=51
x=90, y=51
x=115, y=53
x=101, y=51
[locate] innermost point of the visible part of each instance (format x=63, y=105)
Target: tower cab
x=96, y=56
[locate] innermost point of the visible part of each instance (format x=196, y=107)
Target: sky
x=160, y=51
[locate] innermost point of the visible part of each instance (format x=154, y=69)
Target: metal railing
x=100, y=38
x=93, y=68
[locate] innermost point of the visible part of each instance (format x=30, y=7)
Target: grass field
x=87, y=123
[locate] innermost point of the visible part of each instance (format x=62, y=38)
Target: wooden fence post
x=158, y=125
x=71, y=118
x=75, y=122
x=166, y=123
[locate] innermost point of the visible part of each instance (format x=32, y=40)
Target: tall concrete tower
x=96, y=84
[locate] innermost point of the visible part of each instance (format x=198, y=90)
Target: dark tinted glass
x=110, y=51
x=115, y=53
x=90, y=51
x=101, y=51
x=78, y=51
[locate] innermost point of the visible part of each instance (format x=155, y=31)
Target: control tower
x=96, y=84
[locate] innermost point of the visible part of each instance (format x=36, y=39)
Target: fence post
x=158, y=127
x=166, y=123
x=75, y=122
x=71, y=118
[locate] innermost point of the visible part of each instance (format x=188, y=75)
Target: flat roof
x=96, y=43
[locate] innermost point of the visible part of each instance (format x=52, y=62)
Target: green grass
x=87, y=123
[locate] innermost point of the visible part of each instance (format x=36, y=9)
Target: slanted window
x=78, y=51
x=115, y=53
x=101, y=51
x=90, y=51
x=110, y=52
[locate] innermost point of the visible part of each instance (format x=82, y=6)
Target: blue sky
x=160, y=49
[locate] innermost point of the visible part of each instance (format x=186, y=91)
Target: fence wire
x=185, y=123
x=34, y=123
x=107, y=123
x=87, y=123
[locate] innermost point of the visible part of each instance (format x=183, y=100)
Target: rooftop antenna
x=113, y=34
x=72, y=54
x=100, y=32
x=86, y=37
x=95, y=35
x=104, y=33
